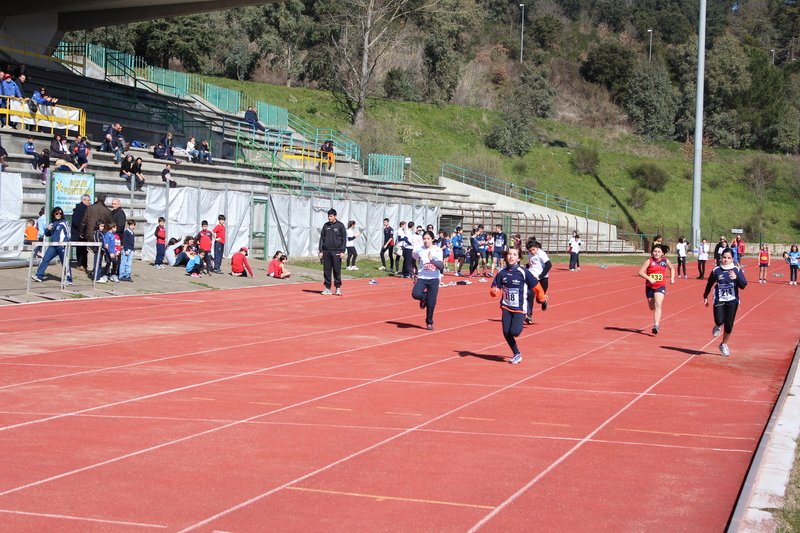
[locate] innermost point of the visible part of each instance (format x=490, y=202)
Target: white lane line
x=82, y=519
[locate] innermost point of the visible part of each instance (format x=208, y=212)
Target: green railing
x=317, y=136
x=385, y=167
x=528, y=195
x=277, y=170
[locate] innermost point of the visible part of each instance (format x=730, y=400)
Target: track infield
x=278, y=409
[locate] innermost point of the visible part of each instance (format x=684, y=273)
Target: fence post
x=225, y=247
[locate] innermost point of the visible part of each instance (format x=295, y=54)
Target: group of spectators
x=12, y=81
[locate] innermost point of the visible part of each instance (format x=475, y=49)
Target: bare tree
x=367, y=31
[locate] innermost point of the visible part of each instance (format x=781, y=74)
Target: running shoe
x=429, y=327
x=195, y=275
x=354, y=267
x=655, y=330
x=338, y=291
x=390, y=271
x=528, y=319
x=544, y=305
x=716, y=330
x=516, y=359
x=37, y=279
x=724, y=350
x=472, y=275
x=423, y=303
x=327, y=292
x=382, y=268
x=102, y=279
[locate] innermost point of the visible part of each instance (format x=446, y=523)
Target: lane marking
x=473, y=418
x=391, y=498
x=206, y=399
x=66, y=517
x=404, y=414
x=334, y=408
x=684, y=434
x=266, y=403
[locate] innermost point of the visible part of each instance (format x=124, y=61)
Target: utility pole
x=521, y=32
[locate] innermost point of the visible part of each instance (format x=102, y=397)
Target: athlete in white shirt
x=539, y=264
x=431, y=264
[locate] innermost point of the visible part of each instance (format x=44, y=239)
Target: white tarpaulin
x=188, y=207
x=55, y=112
x=295, y=223
x=12, y=228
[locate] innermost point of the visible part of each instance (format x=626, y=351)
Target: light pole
x=773, y=56
x=651, y=45
x=521, y=32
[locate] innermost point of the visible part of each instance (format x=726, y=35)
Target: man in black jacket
x=332, y=247
x=78, y=211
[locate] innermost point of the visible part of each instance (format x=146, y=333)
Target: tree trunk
x=289, y=64
x=363, y=80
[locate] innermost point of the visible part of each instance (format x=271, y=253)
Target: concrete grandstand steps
x=406, y=192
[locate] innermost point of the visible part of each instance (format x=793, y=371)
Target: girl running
x=426, y=286
x=352, y=235
x=763, y=263
x=539, y=265
x=514, y=282
x=681, y=249
x=793, y=258
x=702, y=257
x=729, y=279
x=653, y=271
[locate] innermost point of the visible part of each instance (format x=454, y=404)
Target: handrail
x=43, y=55
x=527, y=195
x=317, y=136
x=243, y=141
x=17, y=107
x=385, y=167
x=413, y=177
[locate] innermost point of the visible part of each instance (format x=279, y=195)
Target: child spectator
x=31, y=232
x=161, y=242
x=110, y=248
x=137, y=171
x=204, y=242
x=174, y=248
x=219, y=244
x=205, y=152
x=128, y=240
x=100, y=256
x=166, y=176
x=31, y=151
x=277, y=267
x=239, y=264
x=43, y=163
x=195, y=264
x=444, y=244
x=81, y=153
x=162, y=152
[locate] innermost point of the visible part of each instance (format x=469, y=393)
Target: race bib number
x=656, y=277
x=511, y=297
x=430, y=266
x=725, y=292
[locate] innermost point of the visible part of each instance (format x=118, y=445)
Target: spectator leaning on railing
x=8, y=88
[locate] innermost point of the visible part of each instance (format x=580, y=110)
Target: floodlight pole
x=651, y=46
x=773, y=56
x=698, y=126
x=521, y=31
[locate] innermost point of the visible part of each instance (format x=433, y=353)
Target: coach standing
x=332, y=247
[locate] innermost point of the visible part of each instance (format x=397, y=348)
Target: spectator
x=126, y=172
x=137, y=171
x=195, y=264
x=31, y=233
x=41, y=224
x=251, y=117
x=58, y=231
x=113, y=142
x=166, y=140
x=78, y=213
x=325, y=151
x=3, y=155
x=58, y=147
x=192, y=151
x=19, y=71
x=118, y=216
x=82, y=153
x=205, y=240
x=166, y=176
x=31, y=151
x=8, y=88
x=277, y=268
x=20, y=81
x=162, y=152
x=126, y=258
x=219, y=243
x=94, y=213
x=161, y=242
x=239, y=265
x=205, y=151
x=44, y=165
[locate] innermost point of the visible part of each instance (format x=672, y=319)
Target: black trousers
x=389, y=249
x=512, y=327
x=332, y=264
x=407, y=262
x=428, y=290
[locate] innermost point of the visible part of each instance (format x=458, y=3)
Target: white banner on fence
x=295, y=223
x=188, y=207
x=12, y=229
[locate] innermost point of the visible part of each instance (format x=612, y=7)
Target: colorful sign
x=68, y=187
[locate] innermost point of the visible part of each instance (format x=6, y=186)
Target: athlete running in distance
x=514, y=281
x=729, y=280
x=539, y=264
x=430, y=263
x=653, y=271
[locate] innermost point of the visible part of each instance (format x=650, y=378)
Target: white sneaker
x=354, y=267
x=381, y=268
x=338, y=292
x=102, y=279
x=724, y=350
x=716, y=330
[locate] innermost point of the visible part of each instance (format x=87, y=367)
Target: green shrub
x=651, y=175
x=639, y=197
x=760, y=176
x=586, y=160
x=399, y=85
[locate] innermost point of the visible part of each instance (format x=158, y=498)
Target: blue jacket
x=251, y=117
x=10, y=88
x=193, y=262
x=110, y=243
x=38, y=98
x=29, y=149
x=128, y=239
x=58, y=231
x=159, y=153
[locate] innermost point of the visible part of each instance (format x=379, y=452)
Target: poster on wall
x=67, y=189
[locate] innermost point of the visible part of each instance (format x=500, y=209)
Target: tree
x=547, y=30
x=609, y=64
x=650, y=101
x=187, y=39
x=787, y=131
x=286, y=29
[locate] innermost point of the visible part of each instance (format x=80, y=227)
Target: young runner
x=653, y=271
x=352, y=254
x=444, y=244
x=426, y=286
x=681, y=248
x=574, y=247
x=539, y=264
x=514, y=281
x=728, y=279
x=763, y=263
x=500, y=248
x=702, y=257
x=793, y=258
x=457, y=241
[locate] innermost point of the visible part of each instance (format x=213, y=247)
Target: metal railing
x=28, y=53
x=528, y=195
x=55, y=117
x=317, y=136
x=385, y=167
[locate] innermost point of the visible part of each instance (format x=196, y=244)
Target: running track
x=277, y=409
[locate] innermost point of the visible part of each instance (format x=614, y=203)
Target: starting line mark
x=384, y=498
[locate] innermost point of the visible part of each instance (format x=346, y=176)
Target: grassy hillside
x=434, y=135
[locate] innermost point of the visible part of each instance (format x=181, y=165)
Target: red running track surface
x=278, y=409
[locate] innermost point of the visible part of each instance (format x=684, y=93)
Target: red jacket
x=239, y=263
